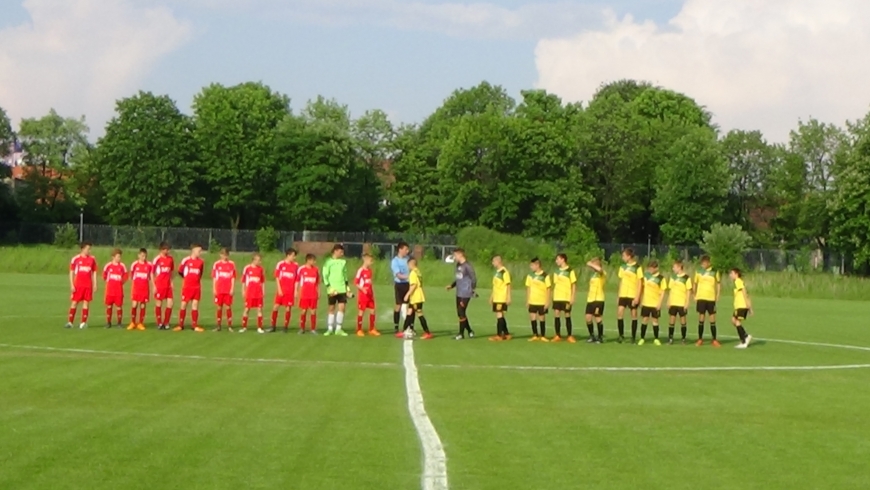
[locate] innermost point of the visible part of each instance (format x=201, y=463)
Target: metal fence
x=380, y=244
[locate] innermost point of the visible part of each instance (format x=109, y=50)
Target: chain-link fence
x=379, y=244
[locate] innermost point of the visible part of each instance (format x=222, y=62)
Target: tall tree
x=6, y=135
x=850, y=203
x=752, y=163
x=691, y=182
x=147, y=164
x=234, y=131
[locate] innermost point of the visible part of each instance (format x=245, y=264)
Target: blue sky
x=405, y=57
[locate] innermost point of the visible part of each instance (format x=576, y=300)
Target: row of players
x=641, y=292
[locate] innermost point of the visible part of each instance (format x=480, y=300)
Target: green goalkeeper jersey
x=335, y=276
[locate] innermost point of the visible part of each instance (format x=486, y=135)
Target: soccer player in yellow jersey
x=630, y=289
x=500, y=298
x=538, y=286
x=654, y=286
x=708, y=287
x=564, y=291
x=679, y=294
x=742, y=308
x=595, y=300
x=415, y=298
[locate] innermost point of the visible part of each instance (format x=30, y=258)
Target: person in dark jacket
x=465, y=284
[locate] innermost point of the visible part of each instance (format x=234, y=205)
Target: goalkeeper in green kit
x=335, y=280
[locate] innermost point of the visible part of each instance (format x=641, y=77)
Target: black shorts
x=538, y=309
x=595, y=308
x=677, y=311
x=650, y=312
x=417, y=307
x=337, y=299
x=401, y=289
x=626, y=303
x=499, y=307
x=741, y=313
x=562, y=306
x=461, y=306
x=706, y=307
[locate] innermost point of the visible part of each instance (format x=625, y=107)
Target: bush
x=214, y=247
x=66, y=236
x=267, y=239
x=481, y=244
x=726, y=245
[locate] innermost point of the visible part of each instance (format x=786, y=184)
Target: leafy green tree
x=752, y=163
x=234, y=131
x=692, y=184
x=850, y=203
x=6, y=135
x=52, y=145
x=147, y=164
x=726, y=245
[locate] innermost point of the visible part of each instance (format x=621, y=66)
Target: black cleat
x=273, y=329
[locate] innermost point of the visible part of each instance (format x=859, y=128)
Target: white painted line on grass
x=185, y=357
x=641, y=369
x=434, y=459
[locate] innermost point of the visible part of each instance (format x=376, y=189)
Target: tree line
x=636, y=162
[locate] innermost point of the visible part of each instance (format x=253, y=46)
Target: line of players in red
x=154, y=278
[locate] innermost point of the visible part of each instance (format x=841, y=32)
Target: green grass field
x=102, y=409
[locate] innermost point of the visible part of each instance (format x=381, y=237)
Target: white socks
x=330, y=322
x=339, y=319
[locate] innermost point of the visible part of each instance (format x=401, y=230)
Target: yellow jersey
x=415, y=278
x=679, y=287
x=501, y=283
x=739, y=299
x=707, y=282
x=563, y=281
x=630, y=276
x=654, y=286
x=596, y=287
x=539, y=285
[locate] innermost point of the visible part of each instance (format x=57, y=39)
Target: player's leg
x=655, y=324
x=645, y=316
x=684, y=324
x=288, y=315
x=134, y=307
x=701, y=320
x=276, y=307
x=590, y=318
x=245, y=312
x=737, y=321
x=542, y=325
x=498, y=333
x=373, y=318
x=339, y=315
x=620, y=320
x=158, y=312
x=143, y=309
x=194, y=315
x=713, y=330
x=330, y=315
x=303, y=318
x=672, y=325
x=182, y=316
x=260, y=318
x=557, y=323
x=73, y=307
x=533, y=321
x=569, y=325
x=86, y=309
x=110, y=308
x=167, y=312
x=599, y=319
x=427, y=335
x=634, y=318
x=410, y=318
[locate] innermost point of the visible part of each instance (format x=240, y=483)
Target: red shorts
x=286, y=300
x=163, y=293
x=115, y=301
x=82, y=294
x=191, y=294
x=140, y=296
x=308, y=303
x=223, y=300
x=253, y=302
x=365, y=302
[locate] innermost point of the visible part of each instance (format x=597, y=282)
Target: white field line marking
x=649, y=369
x=185, y=357
x=434, y=459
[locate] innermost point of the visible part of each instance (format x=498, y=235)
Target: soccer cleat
x=620, y=339
x=286, y=329
x=230, y=330
x=327, y=333
x=340, y=333
x=496, y=338
x=700, y=342
x=641, y=342
x=508, y=337
x=198, y=329
x=657, y=342
x=217, y=329
x=68, y=325
x=534, y=338
x=670, y=341
x=590, y=340
x=571, y=339
x=140, y=327
x=599, y=340
x=556, y=339
x=716, y=344
x=741, y=346
x=273, y=330
x=131, y=326
x=543, y=339
x=428, y=336
x=178, y=328
x=470, y=334
x=301, y=331
x=459, y=337
x=260, y=330
x=400, y=335
x=83, y=326
x=374, y=333
x=108, y=326
x=360, y=333
x=683, y=341
x=241, y=330
x=312, y=332
x=748, y=340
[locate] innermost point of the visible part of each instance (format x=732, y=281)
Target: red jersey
x=115, y=276
x=253, y=277
x=163, y=268
x=224, y=275
x=83, y=268
x=286, y=274
x=140, y=273
x=309, y=282
x=191, y=270
x=364, y=281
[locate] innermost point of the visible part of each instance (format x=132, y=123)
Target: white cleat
x=748, y=340
x=741, y=346
x=260, y=330
x=243, y=330
x=83, y=325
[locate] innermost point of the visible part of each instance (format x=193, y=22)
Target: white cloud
x=755, y=64
x=79, y=56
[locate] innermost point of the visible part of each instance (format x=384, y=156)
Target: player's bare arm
x=573, y=293
x=72, y=281
x=508, y=297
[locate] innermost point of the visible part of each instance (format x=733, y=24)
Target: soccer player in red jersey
x=365, y=297
x=286, y=273
x=191, y=270
x=223, y=274
x=82, y=283
x=253, y=280
x=115, y=275
x=309, y=292
x=164, y=267
x=140, y=277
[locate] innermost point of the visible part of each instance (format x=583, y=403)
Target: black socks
x=396, y=316
x=620, y=326
x=558, y=323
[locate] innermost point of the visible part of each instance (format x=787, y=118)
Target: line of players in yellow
x=641, y=292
